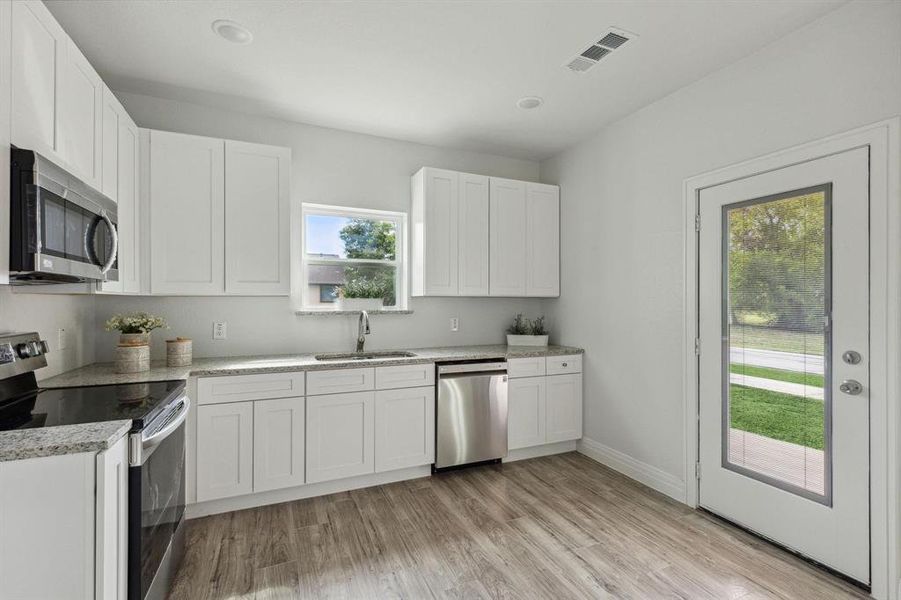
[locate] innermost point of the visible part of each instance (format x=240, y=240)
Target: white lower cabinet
x=112, y=522
x=278, y=443
x=564, y=408
x=526, y=420
x=544, y=409
x=224, y=450
x=404, y=428
x=340, y=436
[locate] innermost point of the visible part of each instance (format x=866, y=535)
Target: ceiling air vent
x=592, y=55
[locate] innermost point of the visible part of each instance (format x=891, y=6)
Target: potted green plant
x=134, y=329
x=526, y=332
x=361, y=294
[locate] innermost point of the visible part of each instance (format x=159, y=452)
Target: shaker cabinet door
x=187, y=214
x=473, y=235
x=564, y=408
x=340, y=430
x=507, y=234
x=404, y=428
x=526, y=416
x=224, y=450
x=257, y=219
x=543, y=249
x=278, y=443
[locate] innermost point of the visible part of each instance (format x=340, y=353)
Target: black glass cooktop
x=48, y=407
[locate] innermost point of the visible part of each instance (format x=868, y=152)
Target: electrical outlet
x=455, y=324
x=220, y=330
x=62, y=339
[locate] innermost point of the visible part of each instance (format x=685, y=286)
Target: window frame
x=301, y=294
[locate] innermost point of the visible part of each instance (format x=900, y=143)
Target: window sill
x=332, y=313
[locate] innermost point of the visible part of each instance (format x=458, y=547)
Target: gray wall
x=622, y=255
x=329, y=167
x=46, y=314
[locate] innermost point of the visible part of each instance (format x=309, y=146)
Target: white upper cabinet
x=81, y=116
x=187, y=213
x=39, y=48
x=111, y=112
x=128, y=185
x=507, y=235
x=257, y=219
x=473, y=235
x=484, y=236
x=434, y=215
x=543, y=235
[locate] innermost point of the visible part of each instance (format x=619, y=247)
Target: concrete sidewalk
x=773, y=385
x=787, y=361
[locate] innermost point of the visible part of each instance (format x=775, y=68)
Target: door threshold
x=814, y=563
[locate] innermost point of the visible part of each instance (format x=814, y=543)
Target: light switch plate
x=62, y=339
x=455, y=324
x=220, y=330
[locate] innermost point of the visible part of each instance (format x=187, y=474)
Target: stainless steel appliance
x=471, y=414
x=156, y=474
x=61, y=230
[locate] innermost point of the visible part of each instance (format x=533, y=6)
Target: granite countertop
x=64, y=439
x=105, y=373
x=96, y=437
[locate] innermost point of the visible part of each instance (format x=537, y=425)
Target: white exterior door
x=784, y=338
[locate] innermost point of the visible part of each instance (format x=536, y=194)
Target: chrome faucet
x=363, y=330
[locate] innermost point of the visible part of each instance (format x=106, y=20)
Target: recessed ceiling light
x=529, y=102
x=233, y=32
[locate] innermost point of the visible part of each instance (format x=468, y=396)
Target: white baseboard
x=543, y=450
x=651, y=476
x=214, y=507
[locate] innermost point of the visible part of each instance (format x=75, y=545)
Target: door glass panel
x=776, y=342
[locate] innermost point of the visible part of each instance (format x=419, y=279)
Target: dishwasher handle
x=495, y=367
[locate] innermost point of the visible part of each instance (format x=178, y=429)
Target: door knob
x=851, y=357
x=851, y=387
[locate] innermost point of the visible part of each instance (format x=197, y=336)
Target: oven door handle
x=140, y=445
x=114, y=238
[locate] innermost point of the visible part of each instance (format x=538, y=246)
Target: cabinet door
x=340, y=431
x=128, y=209
x=187, y=214
x=109, y=176
x=257, y=218
x=81, y=117
x=507, y=248
x=435, y=227
x=404, y=428
x=473, y=235
x=564, y=408
x=526, y=416
x=278, y=443
x=224, y=450
x=112, y=522
x=38, y=53
x=543, y=245
x=5, y=79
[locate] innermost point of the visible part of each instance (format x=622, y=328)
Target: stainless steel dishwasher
x=471, y=413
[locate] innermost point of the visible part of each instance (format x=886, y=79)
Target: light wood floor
x=555, y=527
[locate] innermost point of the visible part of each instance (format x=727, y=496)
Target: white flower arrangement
x=139, y=322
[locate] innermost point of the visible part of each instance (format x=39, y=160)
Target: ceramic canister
x=178, y=352
x=132, y=359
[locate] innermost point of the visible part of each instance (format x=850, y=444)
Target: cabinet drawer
x=339, y=381
x=387, y=378
x=238, y=388
x=561, y=365
x=532, y=366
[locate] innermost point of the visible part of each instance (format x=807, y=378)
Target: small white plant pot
x=526, y=340
x=360, y=303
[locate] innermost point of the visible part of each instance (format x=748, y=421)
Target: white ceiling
x=446, y=73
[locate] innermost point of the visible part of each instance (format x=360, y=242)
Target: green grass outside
x=767, y=338
x=812, y=379
x=777, y=416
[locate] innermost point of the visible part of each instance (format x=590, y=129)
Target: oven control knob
x=45, y=347
x=35, y=348
x=24, y=350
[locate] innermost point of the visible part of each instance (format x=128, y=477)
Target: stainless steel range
x=156, y=474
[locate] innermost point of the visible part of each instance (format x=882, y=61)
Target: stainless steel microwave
x=61, y=230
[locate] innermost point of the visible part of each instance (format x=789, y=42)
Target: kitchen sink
x=362, y=356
